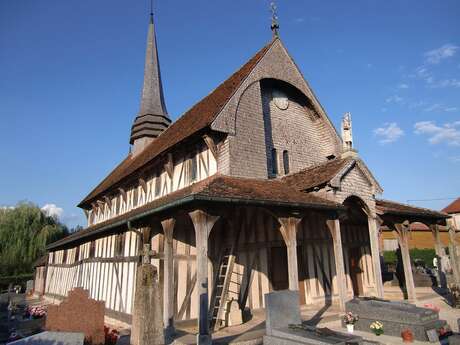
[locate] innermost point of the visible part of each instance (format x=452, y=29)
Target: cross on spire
x=275, y=25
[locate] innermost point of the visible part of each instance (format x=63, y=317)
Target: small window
x=286, y=162
x=92, y=249
x=119, y=244
x=157, y=186
x=64, y=256
x=193, y=168
x=77, y=254
x=274, y=162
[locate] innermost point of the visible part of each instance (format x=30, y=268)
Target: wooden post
x=203, y=223
x=453, y=255
x=374, y=239
x=441, y=270
x=403, y=237
x=334, y=227
x=288, y=229
x=168, y=282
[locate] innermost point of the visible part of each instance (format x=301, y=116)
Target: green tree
x=25, y=231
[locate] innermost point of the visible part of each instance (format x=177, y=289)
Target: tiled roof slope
x=315, y=176
x=453, y=207
x=216, y=188
x=395, y=208
x=197, y=118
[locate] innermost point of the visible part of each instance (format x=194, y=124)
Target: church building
x=251, y=190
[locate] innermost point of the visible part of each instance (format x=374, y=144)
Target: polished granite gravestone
x=395, y=317
x=52, y=338
x=284, y=325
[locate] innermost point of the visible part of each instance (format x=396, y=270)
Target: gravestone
x=147, y=326
x=78, y=313
x=395, y=317
x=47, y=338
x=284, y=325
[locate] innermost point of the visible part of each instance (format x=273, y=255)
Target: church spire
x=275, y=25
x=152, y=118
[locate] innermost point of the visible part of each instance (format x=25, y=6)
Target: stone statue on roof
x=347, y=134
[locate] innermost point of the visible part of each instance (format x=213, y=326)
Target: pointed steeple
x=152, y=118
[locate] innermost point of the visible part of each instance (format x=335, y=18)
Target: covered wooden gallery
x=251, y=190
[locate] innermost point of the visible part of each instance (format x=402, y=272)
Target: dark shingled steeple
x=152, y=118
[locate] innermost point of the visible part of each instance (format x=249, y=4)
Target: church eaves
x=152, y=118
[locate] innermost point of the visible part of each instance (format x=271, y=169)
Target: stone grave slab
x=395, y=316
x=47, y=338
x=78, y=313
x=284, y=324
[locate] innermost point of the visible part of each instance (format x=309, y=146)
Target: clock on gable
x=281, y=99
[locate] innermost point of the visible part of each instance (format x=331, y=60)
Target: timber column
x=440, y=254
x=403, y=233
x=374, y=239
x=453, y=255
x=288, y=229
x=168, y=287
x=334, y=227
x=203, y=223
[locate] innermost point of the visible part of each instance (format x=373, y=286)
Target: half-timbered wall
x=106, y=267
x=194, y=167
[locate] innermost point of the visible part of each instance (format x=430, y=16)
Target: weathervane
x=275, y=26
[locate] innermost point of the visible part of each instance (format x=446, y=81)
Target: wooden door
x=279, y=268
x=356, y=271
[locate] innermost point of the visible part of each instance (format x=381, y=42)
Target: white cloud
x=438, y=84
x=394, y=99
x=299, y=20
x=448, y=133
x=389, y=133
x=435, y=56
x=440, y=107
x=51, y=210
x=455, y=159
x=403, y=86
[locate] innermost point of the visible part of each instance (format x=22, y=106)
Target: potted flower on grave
x=377, y=327
x=407, y=336
x=454, y=294
x=350, y=319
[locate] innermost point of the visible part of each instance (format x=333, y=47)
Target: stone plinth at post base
x=395, y=317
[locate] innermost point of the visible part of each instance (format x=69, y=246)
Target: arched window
x=274, y=162
x=286, y=162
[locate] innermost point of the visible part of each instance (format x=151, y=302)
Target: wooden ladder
x=225, y=277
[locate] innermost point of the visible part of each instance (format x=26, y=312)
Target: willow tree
x=25, y=231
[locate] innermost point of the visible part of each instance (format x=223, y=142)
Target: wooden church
x=249, y=191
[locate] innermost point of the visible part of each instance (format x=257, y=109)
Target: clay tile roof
x=197, y=118
x=217, y=188
x=395, y=208
x=453, y=207
x=315, y=176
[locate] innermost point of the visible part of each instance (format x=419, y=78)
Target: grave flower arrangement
x=377, y=327
x=111, y=336
x=35, y=312
x=350, y=318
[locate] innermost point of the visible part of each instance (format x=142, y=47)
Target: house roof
x=398, y=209
x=217, y=188
x=315, y=176
x=199, y=117
x=453, y=207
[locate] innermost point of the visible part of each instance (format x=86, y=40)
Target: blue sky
x=71, y=75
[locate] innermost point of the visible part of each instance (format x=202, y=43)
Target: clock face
x=281, y=99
